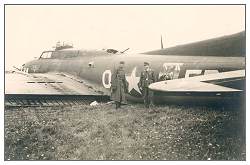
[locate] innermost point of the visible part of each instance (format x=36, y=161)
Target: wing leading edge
x=46, y=83
x=204, y=83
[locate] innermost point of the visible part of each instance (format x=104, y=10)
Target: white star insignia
x=133, y=81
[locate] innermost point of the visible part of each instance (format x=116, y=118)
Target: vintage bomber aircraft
x=69, y=71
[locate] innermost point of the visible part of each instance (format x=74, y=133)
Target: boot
x=116, y=105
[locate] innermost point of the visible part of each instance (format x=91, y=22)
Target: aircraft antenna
x=124, y=50
x=161, y=43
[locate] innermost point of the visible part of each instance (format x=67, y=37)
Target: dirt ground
x=130, y=133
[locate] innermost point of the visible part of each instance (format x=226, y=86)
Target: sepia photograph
x=125, y=82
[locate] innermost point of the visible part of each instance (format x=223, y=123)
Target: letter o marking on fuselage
x=106, y=73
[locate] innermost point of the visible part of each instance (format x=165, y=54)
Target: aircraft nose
x=22, y=67
x=25, y=68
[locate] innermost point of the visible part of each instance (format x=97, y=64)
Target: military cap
x=122, y=62
x=146, y=63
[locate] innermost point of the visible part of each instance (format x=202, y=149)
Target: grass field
x=130, y=133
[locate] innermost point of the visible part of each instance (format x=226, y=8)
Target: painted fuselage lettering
x=191, y=73
x=106, y=78
x=170, y=71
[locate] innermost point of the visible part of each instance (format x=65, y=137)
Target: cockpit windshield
x=46, y=54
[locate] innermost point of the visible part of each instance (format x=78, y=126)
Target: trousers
x=147, y=97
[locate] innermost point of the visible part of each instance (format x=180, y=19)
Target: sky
x=31, y=29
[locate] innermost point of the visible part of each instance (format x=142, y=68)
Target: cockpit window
x=59, y=54
x=46, y=55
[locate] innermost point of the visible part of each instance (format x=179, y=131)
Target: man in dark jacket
x=119, y=86
x=147, y=77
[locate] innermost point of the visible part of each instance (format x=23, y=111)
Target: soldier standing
x=147, y=77
x=119, y=86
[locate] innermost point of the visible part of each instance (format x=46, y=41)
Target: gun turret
x=60, y=46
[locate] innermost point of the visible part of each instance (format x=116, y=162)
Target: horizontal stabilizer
x=199, y=83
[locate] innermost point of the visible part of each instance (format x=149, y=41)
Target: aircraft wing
x=17, y=82
x=204, y=83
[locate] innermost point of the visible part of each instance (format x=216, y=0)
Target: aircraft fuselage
x=98, y=68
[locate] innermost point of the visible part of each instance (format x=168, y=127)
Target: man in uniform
x=119, y=86
x=147, y=77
